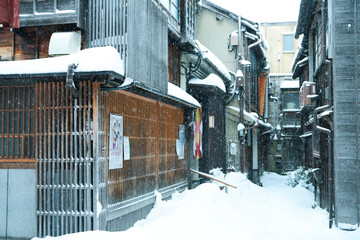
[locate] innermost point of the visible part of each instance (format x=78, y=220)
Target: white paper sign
x=180, y=143
x=116, y=142
x=126, y=148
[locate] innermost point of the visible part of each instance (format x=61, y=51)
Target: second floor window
x=288, y=42
x=173, y=7
x=290, y=100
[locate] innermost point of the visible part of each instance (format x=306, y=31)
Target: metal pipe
x=253, y=45
x=211, y=177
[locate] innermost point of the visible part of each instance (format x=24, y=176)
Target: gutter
x=137, y=87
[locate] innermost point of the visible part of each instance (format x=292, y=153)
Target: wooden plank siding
x=30, y=42
x=152, y=128
x=174, y=63
x=6, y=45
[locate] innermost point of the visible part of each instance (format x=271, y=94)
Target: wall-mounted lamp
x=241, y=132
x=239, y=78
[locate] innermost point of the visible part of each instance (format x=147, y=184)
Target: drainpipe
x=253, y=45
x=70, y=80
x=330, y=167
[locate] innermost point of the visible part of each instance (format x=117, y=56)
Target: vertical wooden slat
x=78, y=136
x=72, y=160
x=47, y=157
x=53, y=159
x=2, y=121
x=60, y=155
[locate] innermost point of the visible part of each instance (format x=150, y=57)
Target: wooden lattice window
x=17, y=123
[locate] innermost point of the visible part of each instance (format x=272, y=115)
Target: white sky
x=263, y=10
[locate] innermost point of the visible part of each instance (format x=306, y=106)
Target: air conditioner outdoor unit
x=64, y=43
x=307, y=94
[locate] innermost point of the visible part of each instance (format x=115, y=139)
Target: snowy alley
x=274, y=211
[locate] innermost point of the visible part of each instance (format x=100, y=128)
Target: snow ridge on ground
x=275, y=211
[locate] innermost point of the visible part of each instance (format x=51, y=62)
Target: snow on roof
x=206, y=53
x=290, y=84
x=177, y=92
x=211, y=80
x=89, y=60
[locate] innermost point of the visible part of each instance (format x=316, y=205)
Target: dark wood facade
x=64, y=139
x=329, y=28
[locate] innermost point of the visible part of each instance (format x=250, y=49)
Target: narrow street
x=274, y=211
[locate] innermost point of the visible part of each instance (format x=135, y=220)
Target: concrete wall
x=280, y=61
x=346, y=73
x=213, y=34
x=17, y=203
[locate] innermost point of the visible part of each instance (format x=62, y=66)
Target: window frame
x=286, y=34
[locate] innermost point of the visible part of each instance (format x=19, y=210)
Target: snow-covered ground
x=274, y=211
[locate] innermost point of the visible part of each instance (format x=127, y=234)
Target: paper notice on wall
x=126, y=148
x=116, y=142
x=180, y=143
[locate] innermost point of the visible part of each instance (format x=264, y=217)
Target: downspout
x=70, y=80
x=249, y=48
x=330, y=168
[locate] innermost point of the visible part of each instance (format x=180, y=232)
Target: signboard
x=126, y=148
x=180, y=143
x=116, y=142
x=211, y=121
x=198, y=134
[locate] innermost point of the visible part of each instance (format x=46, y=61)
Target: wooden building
x=244, y=94
x=86, y=138
x=328, y=67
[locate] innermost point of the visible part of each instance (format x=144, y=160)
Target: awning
x=91, y=60
x=209, y=63
x=211, y=80
x=252, y=118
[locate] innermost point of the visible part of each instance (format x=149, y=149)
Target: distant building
x=282, y=48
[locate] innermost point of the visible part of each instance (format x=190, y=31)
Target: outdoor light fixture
x=241, y=131
x=239, y=78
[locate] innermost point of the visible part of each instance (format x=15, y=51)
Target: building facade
x=239, y=44
x=94, y=121
x=328, y=69
x=282, y=48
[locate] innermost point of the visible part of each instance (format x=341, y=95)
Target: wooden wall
x=6, y=45
x=152, y=128
x=29, y=42
x=174, y=64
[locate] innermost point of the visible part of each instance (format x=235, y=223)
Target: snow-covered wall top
x=290, y=84
x=89, y=60
x=211, y=80
x=177, y=92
